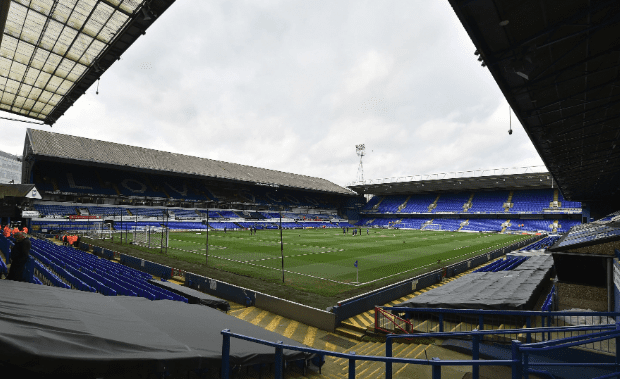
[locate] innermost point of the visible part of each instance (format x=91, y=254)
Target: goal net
x=151, y=237
x=100, y=232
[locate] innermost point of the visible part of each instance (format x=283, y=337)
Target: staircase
x=508, y=204
x=427, y=223
x=377, y=205
x=505, y=226
x=403, y=205
x=353, y=331
x=434, y=205
x=468, y=204
x=555, y=203
x=555, y=226
x=376, y=370
x=463, y=224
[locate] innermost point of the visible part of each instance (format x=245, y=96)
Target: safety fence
x=400, y=320
x=520, y=363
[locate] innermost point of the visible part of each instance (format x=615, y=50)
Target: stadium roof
x=51, y=52
x=475, y=180
x=557, y=63
x=19, y=190
x=80, y=150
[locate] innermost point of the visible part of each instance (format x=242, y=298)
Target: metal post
x=617, y=349
x=516, y=360
x=475, y=370
x=388, y=353
x=281, y=246
x=278, y=369
x=121, y=226
x=610, y=285
x=225, y=354
x=207, y=259
x=441, y=323
x=528, y=324
x=436, y=369
x=481, y=324
x=352, y=366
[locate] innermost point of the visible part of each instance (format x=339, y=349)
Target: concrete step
x=349, y=333
x=365, y=368
x=353, y=326
x=359, y=349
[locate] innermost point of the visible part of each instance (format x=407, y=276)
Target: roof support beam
x=573, y=95
x=553, y=28
x=108, y=3
x=555, y=74
x=607, y=105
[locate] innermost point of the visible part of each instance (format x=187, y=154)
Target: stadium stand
x=418, y=203
x=531, y=201
x=488, y=202
x=390, y=204
x=451, y=202
x=67, y=267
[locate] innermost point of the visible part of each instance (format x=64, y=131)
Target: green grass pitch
x=322, y=260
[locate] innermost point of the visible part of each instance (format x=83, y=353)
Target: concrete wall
x=310, y=316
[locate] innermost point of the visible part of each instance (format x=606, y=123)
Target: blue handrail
x=520, y=359
x=497, y=312
x=436, y=363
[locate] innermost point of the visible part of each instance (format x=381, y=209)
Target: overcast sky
x=295, y=85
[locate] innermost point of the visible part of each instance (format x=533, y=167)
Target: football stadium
x=145, y=263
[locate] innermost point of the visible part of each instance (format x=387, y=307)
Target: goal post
x=151, y=237
x=101, y=231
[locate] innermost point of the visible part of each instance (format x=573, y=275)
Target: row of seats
x=479, y=225
x=524, y=201
x=544, y=243
x=507, y=264
x=65, y=210
x=71, y=268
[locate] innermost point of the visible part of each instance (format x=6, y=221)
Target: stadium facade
x=78, y=176
x=10, y=168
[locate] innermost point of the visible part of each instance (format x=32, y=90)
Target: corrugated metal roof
x=55, y=145
x=16, y=190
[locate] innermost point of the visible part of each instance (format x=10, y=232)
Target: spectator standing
x=19, y=257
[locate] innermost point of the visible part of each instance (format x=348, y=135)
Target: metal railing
x=437, y=320
x=520, y=362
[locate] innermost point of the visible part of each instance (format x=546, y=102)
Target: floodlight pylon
x=360, y=150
